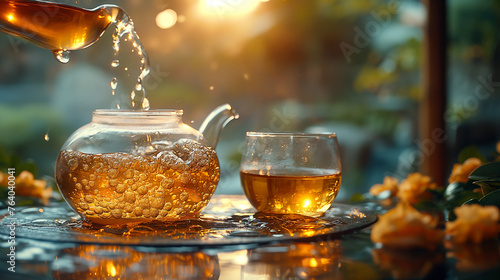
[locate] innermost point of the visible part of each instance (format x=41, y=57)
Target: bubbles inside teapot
x=166, y=181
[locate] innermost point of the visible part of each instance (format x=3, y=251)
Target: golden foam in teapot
x=139, y=166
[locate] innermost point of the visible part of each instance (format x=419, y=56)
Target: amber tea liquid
x=306, y=191
x=53, y=26
x=119, y=188
x=62, y=28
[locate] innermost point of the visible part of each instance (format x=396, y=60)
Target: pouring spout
x=215, y=121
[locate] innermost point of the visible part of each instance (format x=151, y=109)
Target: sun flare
x=227, y=8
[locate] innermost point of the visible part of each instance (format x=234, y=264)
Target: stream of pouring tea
x=124, y=26
x=63, y=28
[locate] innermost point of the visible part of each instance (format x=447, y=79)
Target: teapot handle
x=215, y=121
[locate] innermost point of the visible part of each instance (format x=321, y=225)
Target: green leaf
x=428, y=206
x=438, y=194
x=486, y=172
x=457, y=194
x=458, y=187
x=488, y=186
x=493, y=198
x=470, y=151
x=472, y=201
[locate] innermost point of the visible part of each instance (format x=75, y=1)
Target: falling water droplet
x=46, y=137
x=138, y=86
x=117, y=106
x=61, y=55
x=114, y=83
x=145, y=104
x=132, y=95
x=115, y=63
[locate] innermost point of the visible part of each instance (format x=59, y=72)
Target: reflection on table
x=317, y=260
x=101, y=262
x=349, y=255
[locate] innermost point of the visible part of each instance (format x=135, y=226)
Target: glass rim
x=136, y=113
x=289, y=134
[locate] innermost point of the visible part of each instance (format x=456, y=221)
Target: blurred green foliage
x=8, y=161
x=473, y=29
x=32, y=135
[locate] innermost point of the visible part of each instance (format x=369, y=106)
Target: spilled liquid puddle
x=235, y=227
x=203, y=228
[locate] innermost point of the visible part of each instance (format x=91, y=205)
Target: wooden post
x=433, y=103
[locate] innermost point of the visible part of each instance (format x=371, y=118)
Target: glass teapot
x=139, y=166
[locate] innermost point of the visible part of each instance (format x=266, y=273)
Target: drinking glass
x=291, y=173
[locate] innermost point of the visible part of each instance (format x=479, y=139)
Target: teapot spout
x=214, y=123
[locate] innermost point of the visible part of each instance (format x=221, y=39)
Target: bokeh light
x=166, y=19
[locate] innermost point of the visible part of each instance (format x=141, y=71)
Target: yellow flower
x=3, y=179
x=26, y=185
x=415, y=188
x=474, y=224
x=498, y=151
x=390, y=183
x=405, y=227
x=461, y=172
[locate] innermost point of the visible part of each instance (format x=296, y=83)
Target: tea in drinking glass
x=291, y=173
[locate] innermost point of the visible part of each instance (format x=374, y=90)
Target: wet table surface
x=228, y=242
